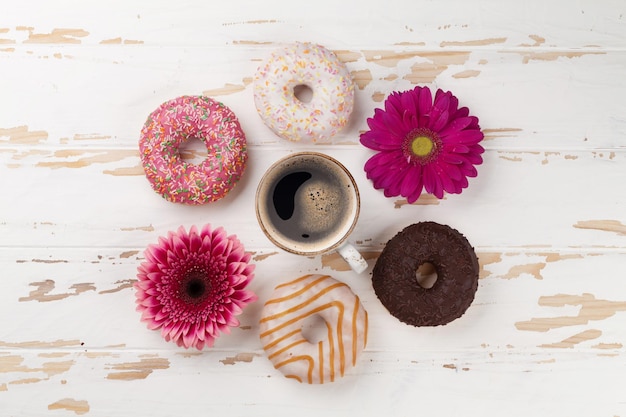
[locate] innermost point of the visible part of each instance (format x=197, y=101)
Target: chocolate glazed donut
x=454, y=259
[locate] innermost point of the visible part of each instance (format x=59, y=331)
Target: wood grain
x=545, y=334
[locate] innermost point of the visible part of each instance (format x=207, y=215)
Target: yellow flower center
x=422, y=145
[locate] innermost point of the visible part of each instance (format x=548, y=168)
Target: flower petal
x=387, y=163
x=155, y=254
x=393, y=103
x=439, y=111
x=471, y=171
x=440, y=122
x=463, y=182
x=447, y=184
x=410, y=104
x=244, y=297
x=410, y=180
x=425, y=105
x=452, y=170
x=453, y=106
x=376, y=122
x=394, y=181
x=219, y=248
x=395, y=127
x=452, y=158
x=432, y=182
x=454, y=126
x=474, y=158
x=190, y=336
x=462, y=112
x=379, y=141
x=195, y=241
x=180, y=246
x=416, y=193
x=460, y=148
x=468, y=136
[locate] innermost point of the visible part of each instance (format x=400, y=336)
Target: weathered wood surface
x=547, y=213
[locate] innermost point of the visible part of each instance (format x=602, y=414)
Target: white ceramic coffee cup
x=308, y=204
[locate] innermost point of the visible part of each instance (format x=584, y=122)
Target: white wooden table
x=546, y=333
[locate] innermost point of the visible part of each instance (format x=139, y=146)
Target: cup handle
x=352, y=257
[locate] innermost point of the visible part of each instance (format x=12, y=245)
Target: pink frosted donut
x=171, y=125
x=313, y=66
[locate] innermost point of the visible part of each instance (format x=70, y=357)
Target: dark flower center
x=421, y=145
x=195, y=286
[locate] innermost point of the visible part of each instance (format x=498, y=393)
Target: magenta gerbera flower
x=422, y=144
x=192, y=285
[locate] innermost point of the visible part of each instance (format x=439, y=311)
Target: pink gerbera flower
x=422, y=144
x=192, y=285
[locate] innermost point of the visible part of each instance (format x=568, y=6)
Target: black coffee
x=307, y=203
x=285, y=193
x=311, y=205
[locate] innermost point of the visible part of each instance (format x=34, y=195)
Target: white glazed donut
x=304, y=64
x=294, y=302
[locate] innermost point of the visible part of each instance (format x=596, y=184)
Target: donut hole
x=426, y=275
x=303, y=93
x=193, y=151
x=314, y=329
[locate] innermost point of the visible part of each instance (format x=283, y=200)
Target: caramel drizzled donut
x=394, y=275
x=293, y=303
